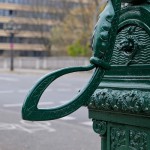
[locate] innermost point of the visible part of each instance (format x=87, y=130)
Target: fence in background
x=43, y=63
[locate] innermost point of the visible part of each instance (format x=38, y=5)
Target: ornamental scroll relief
x=123, y=137
x=128, y=139
x=134, y=101
x=138, y=140
x=132, y=46
x=118, y=138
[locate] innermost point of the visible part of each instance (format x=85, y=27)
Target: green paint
x=122, y=99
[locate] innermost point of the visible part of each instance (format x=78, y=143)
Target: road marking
x=21, y=104
x=9, y=79
x=20, y=127
x=88, y=123
x=13, y=105
x=64, y=102
x=68, y=118
x=46, y=103
x=23, y=91
x=38, y=126
x=6, y=92
x=6, y=126
x=63, y=90
x=27, y=126
x=45, y=126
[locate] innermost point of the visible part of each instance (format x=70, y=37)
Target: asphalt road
x=73, y=132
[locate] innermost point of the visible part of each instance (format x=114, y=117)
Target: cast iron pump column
x=119, y=101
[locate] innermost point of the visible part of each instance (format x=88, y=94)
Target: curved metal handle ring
x=30, y=110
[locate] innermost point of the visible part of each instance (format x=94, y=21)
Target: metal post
x=11, y=52
x=11, y=28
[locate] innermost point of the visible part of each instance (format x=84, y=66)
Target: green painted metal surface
x=117, y=97
x=120, y=107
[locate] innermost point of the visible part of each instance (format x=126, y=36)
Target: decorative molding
x=128, y=139
x=118, y=138
x=100, y=127
x=132, y=46
x=134, y=101
x=138, y=140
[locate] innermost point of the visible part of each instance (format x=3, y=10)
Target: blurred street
x=37, y=36
x=73, y=132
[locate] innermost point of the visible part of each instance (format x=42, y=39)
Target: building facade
x=30, y=22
